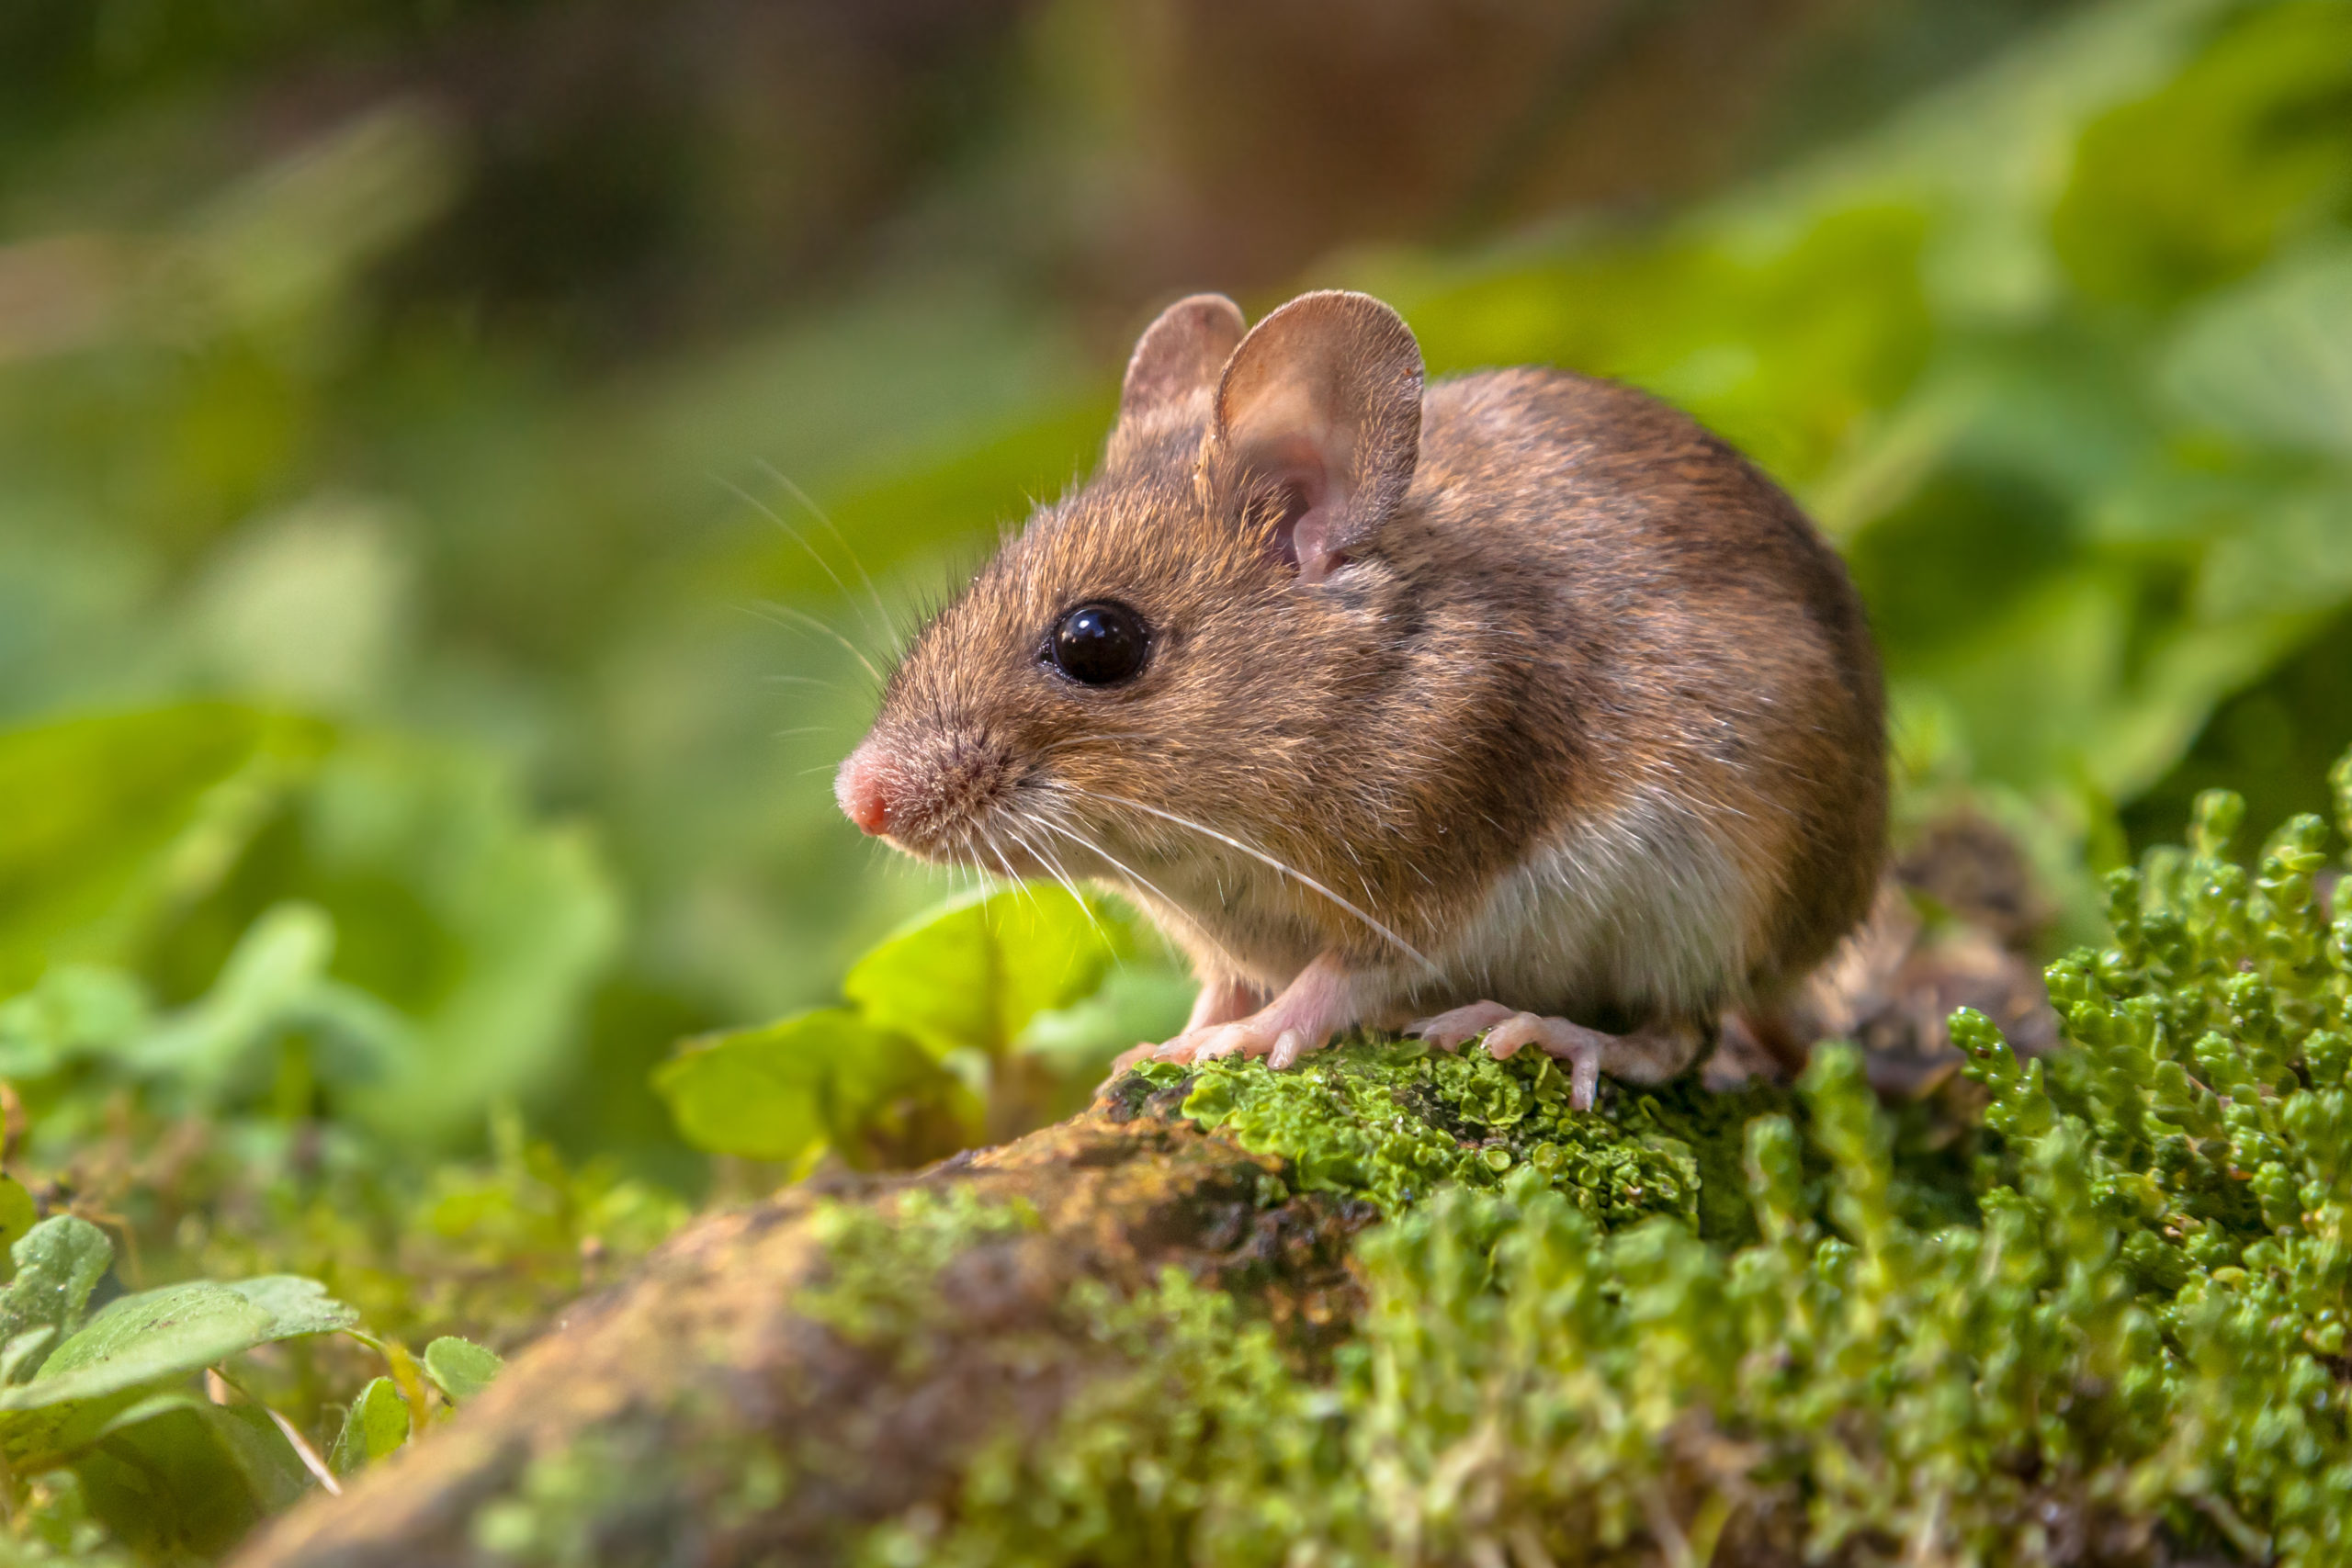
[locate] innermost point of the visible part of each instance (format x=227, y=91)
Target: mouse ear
x=1317, y=424
x=1181, y=353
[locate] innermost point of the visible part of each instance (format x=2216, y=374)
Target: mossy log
x=685, y=1377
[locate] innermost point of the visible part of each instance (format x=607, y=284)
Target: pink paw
x=1281, y=1047
x=1651, y=1055
x=1447, y=1031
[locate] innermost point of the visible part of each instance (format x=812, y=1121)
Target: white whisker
x=1054, y=868
x=773, y=610
x=1142, y=881
x=890, y=633
x=1257, y=854
x=748, y=499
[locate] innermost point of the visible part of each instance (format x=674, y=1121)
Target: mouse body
x=1514, y=706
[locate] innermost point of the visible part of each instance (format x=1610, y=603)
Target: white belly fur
x=1640, y=911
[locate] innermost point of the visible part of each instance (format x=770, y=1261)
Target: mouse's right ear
x=1180, y=354
x=1318, y=427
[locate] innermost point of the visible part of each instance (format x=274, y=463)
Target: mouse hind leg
x=1650, y=1055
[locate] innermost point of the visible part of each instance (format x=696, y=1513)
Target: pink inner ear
x=1294, y=484
x=1288, y=500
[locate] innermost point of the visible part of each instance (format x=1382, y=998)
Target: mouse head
x=1179, y=637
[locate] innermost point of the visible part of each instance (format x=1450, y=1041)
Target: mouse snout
x=863, y=787
x=917, y=790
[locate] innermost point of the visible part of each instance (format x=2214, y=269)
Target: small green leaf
x=59, y=1262
x=177, y=1330
x=139, y=1345
x=143, y=1340
x=773, y=1093
x=273, y=980
x=972, y=974
x=77, y=1010
x=1134, y=1002
x=460, y=1368
x=376, y=1425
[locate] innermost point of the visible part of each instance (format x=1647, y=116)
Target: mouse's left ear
x=1179, y=357
x=1318, y=427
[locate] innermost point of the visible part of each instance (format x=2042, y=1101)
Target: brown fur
x=1559, y=603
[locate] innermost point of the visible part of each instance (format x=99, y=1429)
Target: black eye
x=1099, y=644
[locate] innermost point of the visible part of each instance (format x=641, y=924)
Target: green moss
x=880, y=1287
x=1393, y=1122
x=1195, y=1443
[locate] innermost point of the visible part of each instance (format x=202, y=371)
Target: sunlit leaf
x=776, y=1092
x=971, y=975
x=2195, y=183
x=276, y=981
x=376, y=1425
x=77, y=1010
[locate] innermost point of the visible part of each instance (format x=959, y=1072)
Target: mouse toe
x=1448, y=1031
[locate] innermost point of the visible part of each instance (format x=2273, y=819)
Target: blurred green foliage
x=427, y=619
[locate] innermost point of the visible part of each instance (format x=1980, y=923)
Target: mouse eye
x=1099, y=644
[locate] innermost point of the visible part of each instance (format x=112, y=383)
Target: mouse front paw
x=1308, y=1015
x=1281, y=1046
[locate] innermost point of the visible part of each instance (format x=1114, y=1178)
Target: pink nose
x=864, y=798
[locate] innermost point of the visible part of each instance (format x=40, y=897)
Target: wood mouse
x=1516, y=705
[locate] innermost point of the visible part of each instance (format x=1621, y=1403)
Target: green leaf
x=22, y=1354
x=376, y=1425
x=1135, y=1003
x=174, y=1331
x=971, y=975
x=776, y=1092
x=18, y=1215
x=178, y=1477
x=59, y=1262
x=295, y=1305
x=144, y=1339
x=139, y=1345
x=488, y=927
x=460, y=1368
x=2174, y=191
